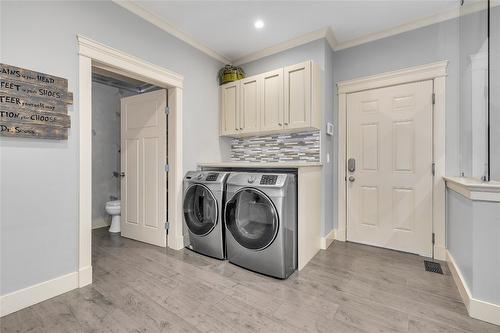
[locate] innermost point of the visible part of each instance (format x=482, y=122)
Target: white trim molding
x=125, y=64
x=37, y=293
x=93, y=54
x=474, y=189
x=435, y=71
x=289, y=44
x=161, y=23
x=478, y=309
x=406, y=75
x=327, y=240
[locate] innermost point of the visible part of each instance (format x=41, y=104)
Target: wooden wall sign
x=33, y=104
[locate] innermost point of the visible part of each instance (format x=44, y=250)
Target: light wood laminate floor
x=347, y=288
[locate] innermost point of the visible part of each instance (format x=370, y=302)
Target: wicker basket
x=230, y=73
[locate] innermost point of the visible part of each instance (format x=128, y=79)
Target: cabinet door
x=250, y=105
x=229, y=108
x=298, y=95
x=272, y=100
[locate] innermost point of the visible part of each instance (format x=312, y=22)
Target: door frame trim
x=436, y=72
x=94, y=54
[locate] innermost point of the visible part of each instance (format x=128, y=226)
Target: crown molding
x=164, y=25
x=416, y=24
x=326, y=32
x=280, y=47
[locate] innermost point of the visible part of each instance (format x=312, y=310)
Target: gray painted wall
x=105, y=150
x=319, y=52
x=39, y=178
x=473, y=239
x=459, y=232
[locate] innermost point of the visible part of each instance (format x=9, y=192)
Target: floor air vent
x=433, y=267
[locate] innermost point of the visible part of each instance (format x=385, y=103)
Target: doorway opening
x=360, y=204
x=95, y=57
x=129, y=154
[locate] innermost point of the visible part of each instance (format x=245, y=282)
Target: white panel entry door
x=143, y=160
x=389, y=179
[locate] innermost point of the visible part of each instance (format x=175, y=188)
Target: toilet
x=113, y=208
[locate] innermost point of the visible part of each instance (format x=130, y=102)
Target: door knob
x=352, y=179
x=122, y=174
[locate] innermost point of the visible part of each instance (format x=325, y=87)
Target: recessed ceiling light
x=259, y=24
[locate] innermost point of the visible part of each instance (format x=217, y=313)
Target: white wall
x=39, y=178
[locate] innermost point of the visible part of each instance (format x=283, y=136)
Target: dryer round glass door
x=200, y=210
x=252, y=219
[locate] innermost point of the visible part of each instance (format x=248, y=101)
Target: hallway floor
x=347, y=288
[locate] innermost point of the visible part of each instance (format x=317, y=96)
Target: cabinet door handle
x=286, y=123
x=280, y=124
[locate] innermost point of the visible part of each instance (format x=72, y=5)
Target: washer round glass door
x=200, y=210
x=252, y=219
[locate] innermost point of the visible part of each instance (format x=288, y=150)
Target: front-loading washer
x=203, y=212
x=261, y=222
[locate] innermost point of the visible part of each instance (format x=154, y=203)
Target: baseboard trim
x=100, y=223
x=175, y=242
x=439, y=253
x=478, y=309
x=84, y=276
x=326, y=241
x=37, y=293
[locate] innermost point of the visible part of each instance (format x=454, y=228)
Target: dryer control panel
x=212, y=177
x=268, y=179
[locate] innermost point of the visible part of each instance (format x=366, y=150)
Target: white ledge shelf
x=474, y=189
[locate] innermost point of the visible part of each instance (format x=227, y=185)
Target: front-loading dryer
x=203, y=212
x=261, y=222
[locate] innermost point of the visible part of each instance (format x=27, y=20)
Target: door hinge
x=167, y=225
x=433, y=98
x=433, y=238
x=167, y=110
x=167, y=168
x=433, y=168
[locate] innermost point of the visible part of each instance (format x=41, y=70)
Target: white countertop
x=263, y=165
x=474, y=189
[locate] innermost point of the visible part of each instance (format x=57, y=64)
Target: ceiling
x=227, y=27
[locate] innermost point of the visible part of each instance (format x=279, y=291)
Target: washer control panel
x=268, y=179
x=212, y=177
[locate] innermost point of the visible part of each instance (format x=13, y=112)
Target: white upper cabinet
x=230, y=108
x=272, y=101
x=298, y=95
x=250, y=105
x=283, y=100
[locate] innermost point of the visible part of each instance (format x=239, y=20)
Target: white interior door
x=143, y=160
x=389, y=194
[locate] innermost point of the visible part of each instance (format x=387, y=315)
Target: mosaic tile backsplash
x=303, y=146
